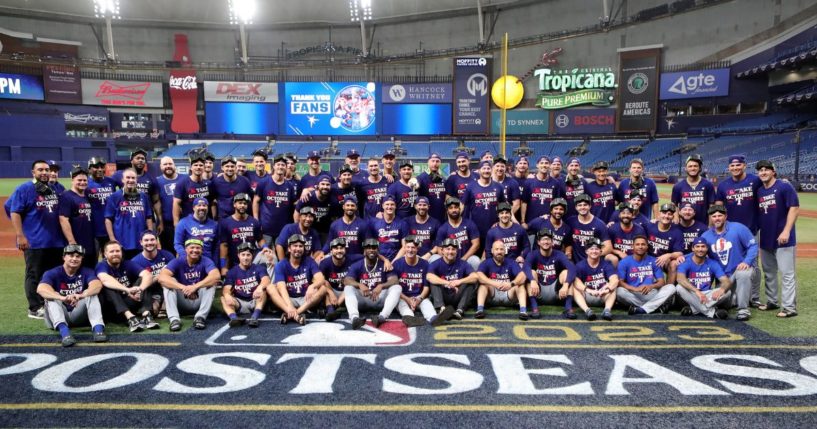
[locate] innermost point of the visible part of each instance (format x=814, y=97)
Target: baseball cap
x=338, y=242
x=349, y=198
x=435, y=155
x=600, y=165
x=209, y=156
x=370, y=242
x=574, y=160
x=137, y=151
x=636, y=193
x=419, y=200
x=593, y=242
x=462, y=155
x=73, y=248
x=543, y=157
x=487, y=152
x=296, y=238
x=521, y=158
x=345, y=168
x=503, y=207
x=279, y=158
x=291, y=157
x=556, y=160
x=241, y=197
x=262, y=153
x=77, y=170
x=352, y=153
x=716, y=208
x=452, y=200
x=194, y=155
x=486, y=162
x=229, y=159
x=741, y=159
x=325, y=178
x=406, y=163
x=695, y=157
x=558, y=202
x=626, y=206
x=500, y=160
x=314, y=154
x=765, y=163
x=200, y=200
x=544, y=232
x=583, y=198
x=699, y=240
x=667, y=207
x=245, y=247
x=96, y=160
x=307, y=210
x=450, y=242
x=686, y=204
x=193, y=242
x=53, y=165
x=413, y=239
x=386, y=199
x=388, y=154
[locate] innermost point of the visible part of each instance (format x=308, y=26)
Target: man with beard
x=245, y=289
x=34, y=212
x=388, y=230
x=241, y=168
x=521, y=172
x=369, y=283
x=639, y=218
x=457, y=182
x=584, y=226
x=340, y=190
x=604, y=194
x=125, y=288
x=76, y=217
x=423, y=227
x=642, y=284
x=778, y=210
x=512, y=235
x=411, y=273
x=696, y=278
x=462, y=230
x=574, y=184
x=622, y=234
x=197, y=225
x=321, y=203
x=70, y=294
x=298, y=281
x=694, y=189
x=555, y=222
x=209, y=163
x=226, y=186
x=308, y=182
x=690, y=228
x=259, y=174
x=353, y=160
x=666, y=242
x=190, y=188
x=539, y=191
x=596, y=283
x=501, y=283
x=153, y=259
x=404, y=191
x=188, y=283
x=167, y=186
x=237, y=229
x=304, y=227
x=636, y=181
x=127, y=214
x=481, y=199
x=100, y=188
x=432, y=186
x=733, y=246
x=510, y=186
x=452, y=280
x=334, y=269
x=551, y=275
x=273, y=201
x=556, y=168
x=388, y=161
x=373, y=188
x=350, y=228
x=145, y=182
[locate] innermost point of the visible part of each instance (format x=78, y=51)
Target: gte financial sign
x=559, y=89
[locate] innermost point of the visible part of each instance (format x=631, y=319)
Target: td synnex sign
x=695, y=84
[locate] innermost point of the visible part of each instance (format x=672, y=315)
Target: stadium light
x=360, y=8
x=107, y=8
x=241, y=11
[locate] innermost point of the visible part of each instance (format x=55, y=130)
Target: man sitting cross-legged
x=501, y=282
x=642, y=284
x=245, y=288
x=298, y=281
x=696, y=276
x=372, y=284
x=596, y=282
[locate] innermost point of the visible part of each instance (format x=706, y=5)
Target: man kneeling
x=502, y=282
x=696, y=276
x=596, y=282
x=245, y=289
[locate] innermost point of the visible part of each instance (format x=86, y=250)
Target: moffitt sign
x=695, y=84
x=586, y=85
x=241, y=92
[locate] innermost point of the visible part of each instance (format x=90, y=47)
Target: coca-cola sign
x=121, y=93
x=241, y=92
x=184, y=100
x=183, y=82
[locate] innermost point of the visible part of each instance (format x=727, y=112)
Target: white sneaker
x=37, y=314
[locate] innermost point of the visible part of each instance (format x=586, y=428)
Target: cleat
x=743, y=315
x=590, y=315
x=480, y=314
x=253, y=323
x=415, y=321
x=535, y=314
x=458, y=315
x=100, y=337
x=721, y=314
x=607, y=315
x=332, y=316
x=284, y=319
x=68, y=341
x=569, y=314
x=686, y=311
x=358, y=322
x=377, y=321
x=301, y=319
x=199, y=323
x=134, y=325
x=234, y=323
x=38, y=314
x=175, y=325
x=664, y=308
x=149, y=323
x=524, y=316
x=444, y=315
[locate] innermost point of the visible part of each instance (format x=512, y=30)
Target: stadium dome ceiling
x=272, y=13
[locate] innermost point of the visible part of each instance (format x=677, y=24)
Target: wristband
x=223, y=262
x=265, y=246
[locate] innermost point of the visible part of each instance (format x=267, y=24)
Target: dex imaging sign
x=695, y=84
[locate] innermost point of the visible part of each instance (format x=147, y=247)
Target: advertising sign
x=241, y=92
x=20, y=87
x=584, y=121
x=417, y=119
x=417, y=93
x=184, y=96
x=84, y=115
x=63, y=84
x=472, y=83
x=520, y=121
x=638, y=92
x=121, y=93
x=241, y=118
x=559, y=89
x=329, y=108
x=695, y=84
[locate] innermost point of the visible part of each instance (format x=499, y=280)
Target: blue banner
x=472, y=93
x=695, y=84
x=241, y=118
x=416, y=119
x=521, y=121
x=329, y=108
x=21, y=87
x=584, y=121
x=420, y=93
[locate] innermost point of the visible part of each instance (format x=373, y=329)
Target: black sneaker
x=358, y=322
x=149, y=323
x=100, y=337
x=607, y=315
x=234, y=323
x=721, y=314
x=415, y=321
x=632, y=310
x=535, y=314
x=664, y=308
x=458, y=315
x=590, y=315
x=378, y=320
x=284, y=319
x=68, y=341
x=480, y=314
x=199, y=323
x=253, y=322
x=321, y=313
x=524, y=316
x=134, y=324
x=569, y=314
x=686, y=311
x=444, y=315
x=332, y=316
x=175, y=325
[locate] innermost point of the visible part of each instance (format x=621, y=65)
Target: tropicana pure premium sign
x=559, y=89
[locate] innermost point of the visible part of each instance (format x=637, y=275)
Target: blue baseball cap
x=314, y=154
x=699, y=240
x=543, y=157
x=325, y=179
x=737, y=159
x=387, y=198
x=487, y=152
x=421, y=200
x=486, y=162
x=352, y=153
x=521, y=158
x=435, y=155
x=556, y=159
x=200, y=200
x=572, y=160
x=349, y=198
x=463, y=155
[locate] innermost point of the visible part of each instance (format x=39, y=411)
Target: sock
x=330, y=308
x=98, y=329
x=64, y=331
x=256, y=313
x=568, y=303
x=534, y=306
x=232, y=316
x=523, y=309
x=480, y=308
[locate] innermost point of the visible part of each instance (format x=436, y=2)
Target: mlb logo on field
x=318, y=334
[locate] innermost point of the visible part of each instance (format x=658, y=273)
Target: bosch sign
x=584, y=121
x=241, y=92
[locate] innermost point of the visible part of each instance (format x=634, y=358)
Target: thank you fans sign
x=638, y=89
x=472, y=82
